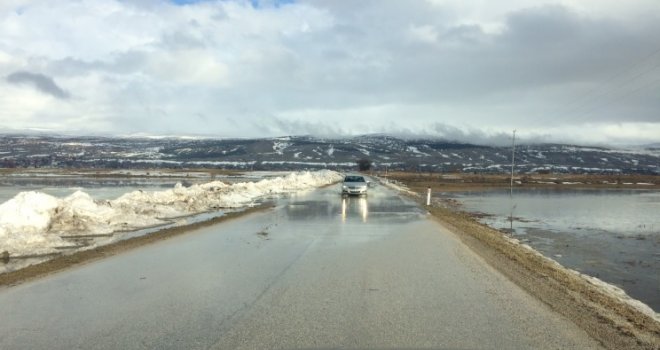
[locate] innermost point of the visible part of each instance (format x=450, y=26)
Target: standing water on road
x=610, y=234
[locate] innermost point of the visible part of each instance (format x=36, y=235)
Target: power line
x=605, y=93
x=587, y=114
x=616, y=75
x=620, y=89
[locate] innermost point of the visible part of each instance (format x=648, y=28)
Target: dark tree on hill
x=364, y=164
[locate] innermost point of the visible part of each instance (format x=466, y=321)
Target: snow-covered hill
x=303, y=152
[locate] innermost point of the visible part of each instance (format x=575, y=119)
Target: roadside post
x=428, y=197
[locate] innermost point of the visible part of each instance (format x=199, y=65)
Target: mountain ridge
x=310, y=152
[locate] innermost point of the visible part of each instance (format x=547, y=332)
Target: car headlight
x=344, y=187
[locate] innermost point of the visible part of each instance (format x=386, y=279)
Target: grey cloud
x=440, y=131
x=39, y=81
x=474, y=136
x=447, y=132
x=464, y=34
x=125, y=63
x=181, y=40
x=527, y=74
x=297, y=127
x=369, y=54
x=545, y=48
x=542, y=26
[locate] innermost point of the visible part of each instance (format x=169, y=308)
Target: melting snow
x=279, y=147
x=416, y=150
x=34, y=222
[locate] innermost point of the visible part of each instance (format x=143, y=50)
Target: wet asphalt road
x=317, y=272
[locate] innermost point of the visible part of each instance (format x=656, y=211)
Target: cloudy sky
x=585, y=71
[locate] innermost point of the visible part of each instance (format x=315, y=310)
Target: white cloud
x=188, y=67
x=226, y=68
x=424, y=33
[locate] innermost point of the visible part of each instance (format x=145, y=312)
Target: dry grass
x=466, y=182
x=119, y=173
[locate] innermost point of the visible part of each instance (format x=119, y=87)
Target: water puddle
x=610, y=234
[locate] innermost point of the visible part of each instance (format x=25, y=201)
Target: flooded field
x=610, y=234
x=97, y=188
x=60, y=185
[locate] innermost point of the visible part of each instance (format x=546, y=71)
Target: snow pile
x=279, y=147
x=398, y=186
x=34, y=222
x=22, y=225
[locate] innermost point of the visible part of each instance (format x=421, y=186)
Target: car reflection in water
x=354, y=207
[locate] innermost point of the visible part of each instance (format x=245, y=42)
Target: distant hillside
x=304, y=152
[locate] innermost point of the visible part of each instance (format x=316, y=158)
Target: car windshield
x=354, y=179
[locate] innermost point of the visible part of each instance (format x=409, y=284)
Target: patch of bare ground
x=134, y=173
x=471, y=182
x=613, y=322
x=83, y=257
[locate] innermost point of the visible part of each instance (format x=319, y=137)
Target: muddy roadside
x=67, y=261
x=617, y=324
x=94, y=173
x=460, y=182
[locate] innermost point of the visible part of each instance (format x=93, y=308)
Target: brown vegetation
x=115, y=173
x=466, y=182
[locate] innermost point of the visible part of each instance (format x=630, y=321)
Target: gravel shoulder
x=613, y=322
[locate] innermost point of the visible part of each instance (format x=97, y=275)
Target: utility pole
x=513, y=160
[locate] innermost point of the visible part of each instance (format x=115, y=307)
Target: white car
x=354, y=185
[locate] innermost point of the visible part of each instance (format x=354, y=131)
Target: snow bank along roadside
x=37, y=223
x=608, y=304
x=397, y=186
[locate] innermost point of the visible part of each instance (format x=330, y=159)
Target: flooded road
x=319, y=271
